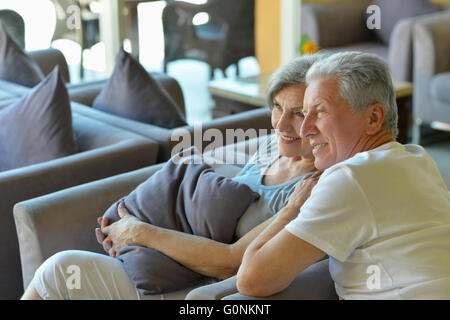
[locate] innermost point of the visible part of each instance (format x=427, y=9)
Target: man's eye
x=299, y=114
x=277, y=106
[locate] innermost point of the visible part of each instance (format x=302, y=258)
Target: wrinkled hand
x=303, y=190
x=102, y=222
x=122, y=232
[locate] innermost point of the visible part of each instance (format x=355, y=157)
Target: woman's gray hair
x=363, y=79
x=294, y=72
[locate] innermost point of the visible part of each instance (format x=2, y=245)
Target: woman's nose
x=284, y=122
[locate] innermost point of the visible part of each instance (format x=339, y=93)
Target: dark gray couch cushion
x=38, y=127
x=132, y=93
x=440, y=87
x=15, y=65
x=187, y=197
x=392, y=11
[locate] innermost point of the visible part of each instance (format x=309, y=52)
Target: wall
x=267, y=34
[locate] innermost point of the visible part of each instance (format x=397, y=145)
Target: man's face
x=333, y=130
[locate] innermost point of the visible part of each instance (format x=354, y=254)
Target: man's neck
x=378, y=139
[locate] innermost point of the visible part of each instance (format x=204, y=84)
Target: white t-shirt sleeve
x=336, y=218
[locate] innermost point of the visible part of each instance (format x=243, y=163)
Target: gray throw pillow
x=187, y=197
x=131, y=92
x=38, y=127
x=392, y=11
x=15, y=65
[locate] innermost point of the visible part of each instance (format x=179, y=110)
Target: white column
x=290, y=29
x=111, y=31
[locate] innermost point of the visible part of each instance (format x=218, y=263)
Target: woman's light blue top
x=273, y=198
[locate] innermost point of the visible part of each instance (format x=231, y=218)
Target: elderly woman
x=274, y=178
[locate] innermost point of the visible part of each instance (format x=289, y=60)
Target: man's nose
x=308, y=127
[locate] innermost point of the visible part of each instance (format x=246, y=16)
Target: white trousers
x=84, y=275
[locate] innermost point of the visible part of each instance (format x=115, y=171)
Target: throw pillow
x=38, y=127
x=131, y=92
x=392, y=11
x=186, y=196
x=15, y=65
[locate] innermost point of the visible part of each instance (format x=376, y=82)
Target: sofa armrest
x=85, y=92
x=431, y=52
x=185, y=136
x=214, y=291
x=335, y=24
x=66, y=219
x=47, y=59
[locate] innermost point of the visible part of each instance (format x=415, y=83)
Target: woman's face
x=287, y=118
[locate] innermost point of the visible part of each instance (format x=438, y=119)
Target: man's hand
x=125, y=231
x=302, y=192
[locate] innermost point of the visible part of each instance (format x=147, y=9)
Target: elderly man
x=380, y=209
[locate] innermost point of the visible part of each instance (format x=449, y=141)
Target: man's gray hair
x=293, y=72
x=363, y=79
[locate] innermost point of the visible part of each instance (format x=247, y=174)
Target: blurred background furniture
x=342, y=26
x=431, y=104
x=15, y=26
x=69, y=13
x=226, y=35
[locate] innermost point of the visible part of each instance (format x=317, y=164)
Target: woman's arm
x=276, y=257
x=202, y=255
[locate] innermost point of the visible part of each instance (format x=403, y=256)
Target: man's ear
x=376, y=114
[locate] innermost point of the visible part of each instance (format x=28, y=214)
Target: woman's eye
x=299, y=114
x=277, y=106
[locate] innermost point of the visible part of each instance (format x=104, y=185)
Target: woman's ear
x=376, y=114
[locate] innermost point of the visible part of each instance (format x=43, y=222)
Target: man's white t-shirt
x=383, y=217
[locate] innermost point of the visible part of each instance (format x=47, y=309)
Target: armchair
x=167, y=138
x=227, y=37
x=103, y=151
x=342, y=26
x=431, y=101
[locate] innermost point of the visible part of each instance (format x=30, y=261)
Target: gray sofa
x=42, y=222
x=103, y=151
x=431, y=100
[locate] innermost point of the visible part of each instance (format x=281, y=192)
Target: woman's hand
x=302, y=191
x=128, y=230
